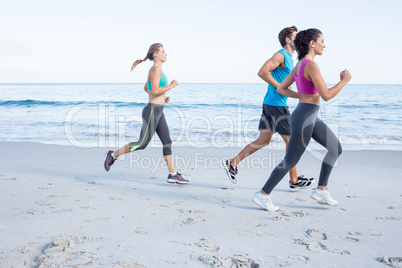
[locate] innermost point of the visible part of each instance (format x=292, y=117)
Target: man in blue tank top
x=275, y=112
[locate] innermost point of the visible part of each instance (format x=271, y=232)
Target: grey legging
x=305, y=125
x=153, y=121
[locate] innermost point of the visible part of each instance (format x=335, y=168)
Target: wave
x=369, y=140
x=29, y=103
x=33, y=103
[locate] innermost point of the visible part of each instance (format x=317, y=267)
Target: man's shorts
x=276, y=118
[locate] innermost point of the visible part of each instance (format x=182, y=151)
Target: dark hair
x=150, y=55
x=286, y=33
x=303, y=39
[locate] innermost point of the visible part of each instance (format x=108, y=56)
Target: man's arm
x=270, y=65
x=285, y=89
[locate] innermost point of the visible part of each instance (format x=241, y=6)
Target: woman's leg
x=293, y=171
x=302, y=125
x=162, y=130
x=324, y=136
x=150, y=118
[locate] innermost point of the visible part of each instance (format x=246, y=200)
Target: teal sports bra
x=163, y=82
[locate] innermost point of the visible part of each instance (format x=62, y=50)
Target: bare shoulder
x=312, y=66
x=276, y=60
x=155, y=70
x=279, y=57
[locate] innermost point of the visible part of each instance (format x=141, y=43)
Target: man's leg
x=263, y=140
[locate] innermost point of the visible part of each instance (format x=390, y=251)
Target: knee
x=340, y=150
x=263, y=141
x=336, y=150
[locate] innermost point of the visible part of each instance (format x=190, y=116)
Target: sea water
x=198, y=115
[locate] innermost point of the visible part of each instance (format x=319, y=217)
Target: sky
x=207, y=41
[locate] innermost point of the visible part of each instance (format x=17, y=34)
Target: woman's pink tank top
x=303, y=85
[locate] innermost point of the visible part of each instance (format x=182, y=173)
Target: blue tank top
x=163, y=82
x=272, y=97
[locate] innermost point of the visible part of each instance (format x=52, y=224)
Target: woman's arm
x=284, y=87
x=326, y=93
x=146, y=87
x=156, y=75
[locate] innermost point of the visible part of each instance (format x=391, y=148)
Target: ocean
x=199, y=115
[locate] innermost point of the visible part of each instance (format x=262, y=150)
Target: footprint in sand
x=238, y=260
x=10, y=179
x=61, y=252
x=351, y=239
x=88, y=208
x=316, y=246
x=141, y=230
x=95, y=183
x=300, y=213
x=126, y=264
x=125, y=246
x=62, y=210
x=354, y=233
x=43, y=188
x=279, y=218
x=207, y=245
x=34, y=212
x=316, y=234
x=191, y=211
x=388, y=218
x=299, y=258
x=194, y=220
x=114, y=198
x=391, y=261
x=41, y=203
x=311, y=245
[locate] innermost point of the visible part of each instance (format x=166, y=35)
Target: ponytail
x=138, y=62
x=150, y=55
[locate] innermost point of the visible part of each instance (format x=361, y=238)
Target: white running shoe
x=323, y=197
x=264, y=201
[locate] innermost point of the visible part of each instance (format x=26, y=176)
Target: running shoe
x=323, y=197
x=109, y=160
x=264, y=201
x=176, y=179
x=302, y=183
x=230, y=170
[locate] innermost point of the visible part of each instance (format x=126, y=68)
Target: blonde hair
x=150, y=55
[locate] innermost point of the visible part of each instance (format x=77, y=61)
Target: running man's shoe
x=230, y=170
x=302, y=183
x=264, y=201
x=323, y=197
x=176, y=179
x=109, y=160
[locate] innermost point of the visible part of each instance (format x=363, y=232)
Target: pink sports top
x=303, y=85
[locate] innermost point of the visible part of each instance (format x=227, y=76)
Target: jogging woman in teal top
x=153, y=117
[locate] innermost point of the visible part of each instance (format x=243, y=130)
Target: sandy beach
x=60, y=208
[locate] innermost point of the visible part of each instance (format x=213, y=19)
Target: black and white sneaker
x=302, y=183
x=230, y=170
x=109, y=160
x=177, y=178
